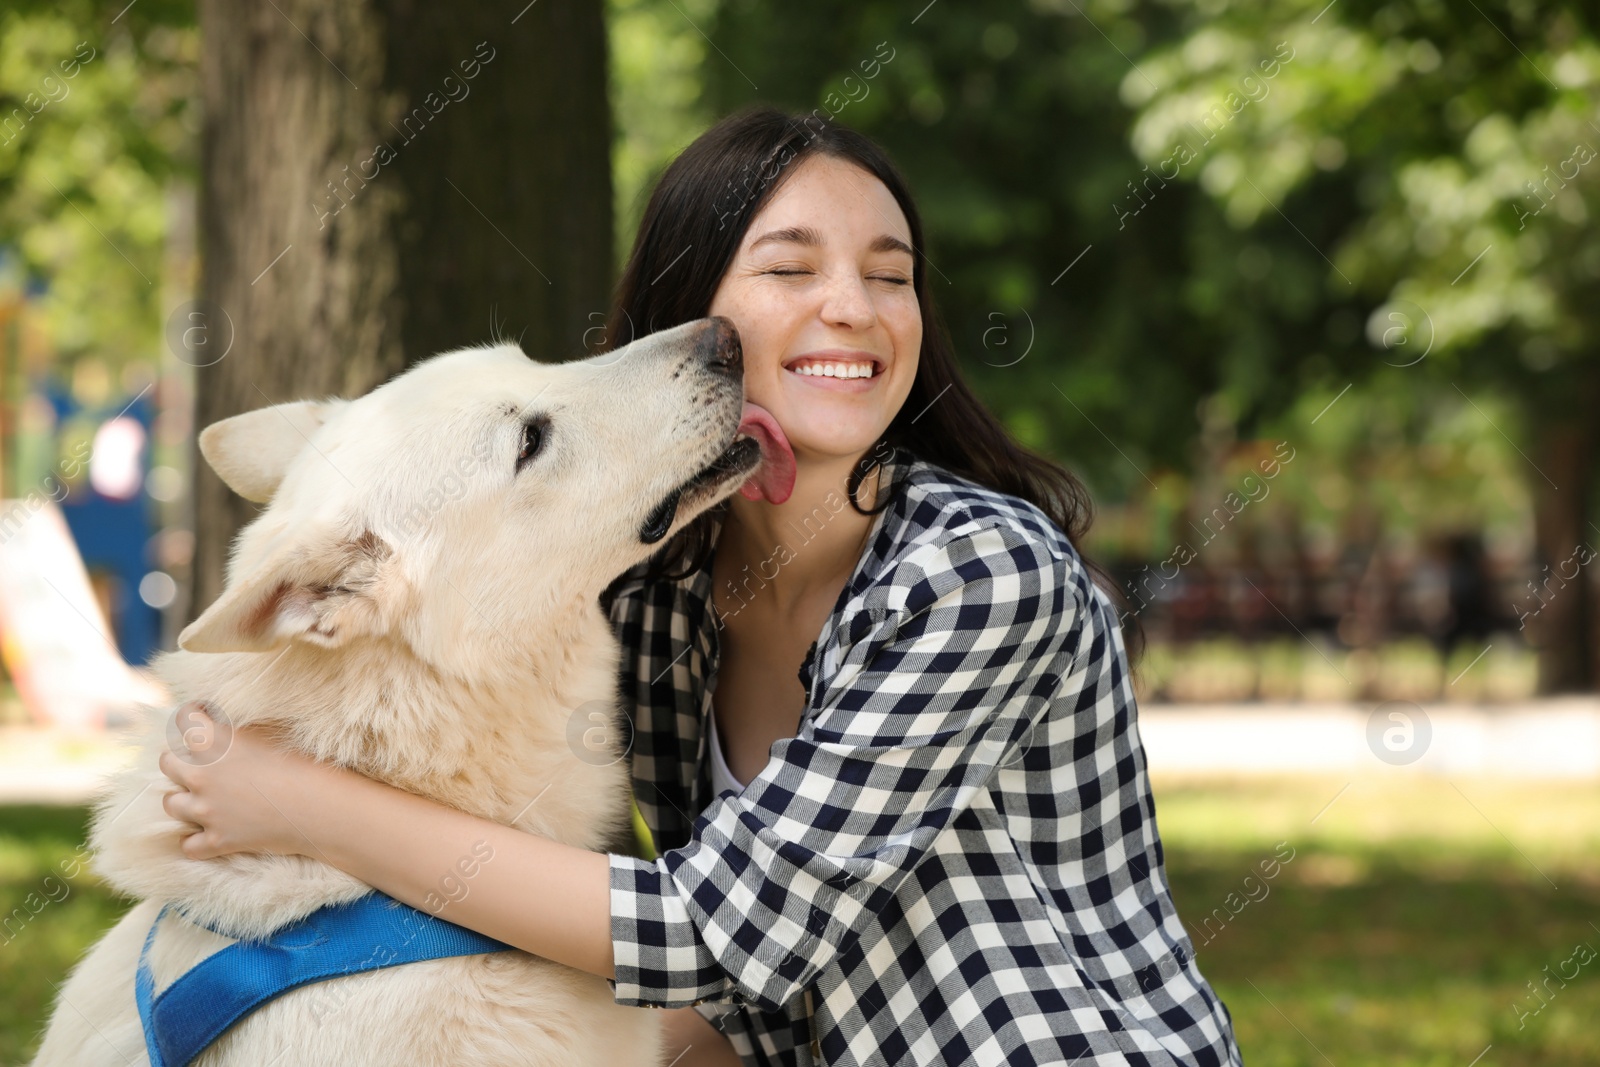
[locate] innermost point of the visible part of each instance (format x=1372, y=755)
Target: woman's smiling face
x=822, y=285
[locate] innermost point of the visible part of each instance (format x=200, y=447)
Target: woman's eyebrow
x=808, y=235
x=886, y=242
x=800, y=235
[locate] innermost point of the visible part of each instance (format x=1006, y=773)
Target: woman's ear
x=251, y=452
x=324, y=590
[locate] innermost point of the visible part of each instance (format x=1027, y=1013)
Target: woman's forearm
x=544, y=897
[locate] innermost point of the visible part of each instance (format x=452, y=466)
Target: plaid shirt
x=956, y=859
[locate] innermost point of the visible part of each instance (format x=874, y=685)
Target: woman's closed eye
x=784, y=272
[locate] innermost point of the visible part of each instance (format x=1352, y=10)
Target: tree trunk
x=1566, y=620
x=386, y=179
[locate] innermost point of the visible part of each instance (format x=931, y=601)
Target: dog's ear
x=250, y=452
x=325, y=592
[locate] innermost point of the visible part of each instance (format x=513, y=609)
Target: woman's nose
x=847, y=302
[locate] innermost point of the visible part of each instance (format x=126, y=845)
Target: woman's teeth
x=834, y=370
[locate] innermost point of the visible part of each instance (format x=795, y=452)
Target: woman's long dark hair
x=692, y=228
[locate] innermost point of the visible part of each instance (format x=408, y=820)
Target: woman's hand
x=242, y=793
x=236, y=789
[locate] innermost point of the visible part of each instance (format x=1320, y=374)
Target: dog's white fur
x=413, y=606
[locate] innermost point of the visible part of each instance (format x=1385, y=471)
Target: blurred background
x=1308, y=294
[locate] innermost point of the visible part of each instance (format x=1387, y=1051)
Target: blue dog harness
x=340, y=939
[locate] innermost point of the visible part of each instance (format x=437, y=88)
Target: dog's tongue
x=773, y=481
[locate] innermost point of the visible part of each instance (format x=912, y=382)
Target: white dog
x=418, y=603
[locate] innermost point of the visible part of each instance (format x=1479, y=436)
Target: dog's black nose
x=719, y=347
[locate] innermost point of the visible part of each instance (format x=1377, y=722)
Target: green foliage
x=98, y=128
x=1438, y=154
x=657, y=52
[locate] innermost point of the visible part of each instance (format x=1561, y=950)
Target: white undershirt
x=721, y=777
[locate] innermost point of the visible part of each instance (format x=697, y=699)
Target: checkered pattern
x=956, y=860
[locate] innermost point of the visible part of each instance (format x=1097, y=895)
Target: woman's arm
x=543, y=897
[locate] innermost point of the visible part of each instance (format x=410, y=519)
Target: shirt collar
x=886, y=530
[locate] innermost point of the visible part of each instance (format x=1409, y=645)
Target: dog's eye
x=532, y=440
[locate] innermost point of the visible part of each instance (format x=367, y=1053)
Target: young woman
x=883, y=731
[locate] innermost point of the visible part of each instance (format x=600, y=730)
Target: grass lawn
x=46, y=918
x=1406, y=928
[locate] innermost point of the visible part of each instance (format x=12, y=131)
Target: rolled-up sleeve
x=950, y=668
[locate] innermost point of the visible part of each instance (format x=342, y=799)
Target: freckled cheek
x=761, y=365
x=767, y=327
x=905, y=327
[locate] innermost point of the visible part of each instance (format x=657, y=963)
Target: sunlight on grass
x=1399, y=811
x=1412, y=925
